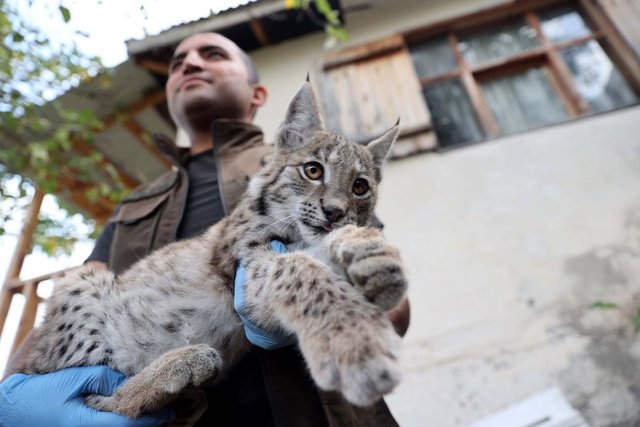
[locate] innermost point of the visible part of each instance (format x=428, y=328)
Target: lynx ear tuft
x=301, y=121
x=381, y=146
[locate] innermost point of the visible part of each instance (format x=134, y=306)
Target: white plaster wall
x=507, y=243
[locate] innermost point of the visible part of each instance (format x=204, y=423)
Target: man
x=213, y=94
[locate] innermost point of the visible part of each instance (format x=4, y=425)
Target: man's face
x=208, y=80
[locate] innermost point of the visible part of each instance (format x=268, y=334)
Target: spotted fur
x=169, y=320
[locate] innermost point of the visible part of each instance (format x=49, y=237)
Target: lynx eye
x=360, y=186
x=313, y=170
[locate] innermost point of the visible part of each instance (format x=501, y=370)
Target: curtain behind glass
x=597, y=79
x=433, y=57
x=523, y=101
x=451, y=113
x=500, y=42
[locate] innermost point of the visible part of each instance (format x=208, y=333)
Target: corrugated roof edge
x=242, y=13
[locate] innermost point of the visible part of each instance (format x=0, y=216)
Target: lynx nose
x=333, y=213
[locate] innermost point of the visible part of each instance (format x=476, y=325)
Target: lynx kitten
x=169, y=323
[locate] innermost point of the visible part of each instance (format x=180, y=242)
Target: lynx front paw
x=360, y=360
x=371, y=264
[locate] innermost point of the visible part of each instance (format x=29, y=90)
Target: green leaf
x=66, y=14
x=337, y=32
x=603, y=305
x=17, y=37
x=636, y=321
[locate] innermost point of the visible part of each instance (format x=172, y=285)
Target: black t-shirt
x=203, y=207
x=204, y=204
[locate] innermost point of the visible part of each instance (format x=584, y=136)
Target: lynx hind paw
x=194, y=365
x=363, y=369
x=160, y=383
x=100, y=403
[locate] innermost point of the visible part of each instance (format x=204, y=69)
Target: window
x=536, y=68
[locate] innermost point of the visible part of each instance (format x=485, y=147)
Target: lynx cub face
x=319, y=181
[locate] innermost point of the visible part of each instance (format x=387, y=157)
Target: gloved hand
x=57, y=399
x=269, y=340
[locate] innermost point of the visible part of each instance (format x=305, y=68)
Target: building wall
x=507, y=244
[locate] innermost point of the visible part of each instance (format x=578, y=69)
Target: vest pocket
x=136, y=224
x=131, y=212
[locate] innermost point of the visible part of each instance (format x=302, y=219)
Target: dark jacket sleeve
x=103, y=244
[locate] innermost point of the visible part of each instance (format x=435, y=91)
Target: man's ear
x=301, y=121
x=260, y=95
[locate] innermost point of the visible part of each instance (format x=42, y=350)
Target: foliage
x=603, y=305
x=636, y=321
x=606, y=305
x=333, y=25
x=37, y=134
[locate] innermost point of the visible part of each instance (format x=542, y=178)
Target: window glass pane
x=523, y=101
x=597, y=79
x=563, y=23
x=499, y=42
x=451, y=113
x=433, y=57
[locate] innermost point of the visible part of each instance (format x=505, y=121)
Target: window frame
x=547, y=55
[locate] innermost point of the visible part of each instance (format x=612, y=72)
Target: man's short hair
x=254, y=77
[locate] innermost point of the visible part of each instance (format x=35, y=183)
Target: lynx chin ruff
x=169, y=323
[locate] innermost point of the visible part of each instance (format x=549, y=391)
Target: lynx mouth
x=327, y=227
x=324, y=228
x=321, y=229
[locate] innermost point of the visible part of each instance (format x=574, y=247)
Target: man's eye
x=175, y=65
x=214, y=54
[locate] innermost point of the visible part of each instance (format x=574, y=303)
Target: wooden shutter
x=364, y=89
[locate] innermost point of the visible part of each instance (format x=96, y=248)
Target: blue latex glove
x=269, y=340
x=57, y=399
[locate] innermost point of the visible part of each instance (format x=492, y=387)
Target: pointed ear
x=301, y=120
x=380, y=147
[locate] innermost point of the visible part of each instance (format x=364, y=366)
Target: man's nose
x=192, y=62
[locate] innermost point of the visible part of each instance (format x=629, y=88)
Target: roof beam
x=125, y=117
x=259, y=31
x=156, y=67
x=83, y=148
x=141, y=135
x=100, y=210
x=150, y=100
